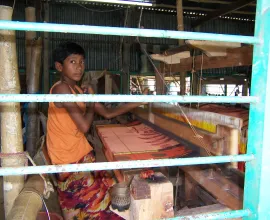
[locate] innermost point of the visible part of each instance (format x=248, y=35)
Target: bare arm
x=109, y=113
x=83, y=121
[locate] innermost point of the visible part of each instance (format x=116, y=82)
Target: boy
x=81, y=195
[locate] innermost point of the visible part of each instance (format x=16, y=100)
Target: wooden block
x=159, y=206
x=140, y=188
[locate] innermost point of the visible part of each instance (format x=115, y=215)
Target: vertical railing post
x=257, y=180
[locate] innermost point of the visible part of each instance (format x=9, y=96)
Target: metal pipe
x=257, y=178
x=216, y=215
x=123, y=165
x=124, y=98
x=117, y=31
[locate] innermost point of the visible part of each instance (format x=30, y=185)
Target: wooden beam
x=173, y=59
x=226, y=80
x=186, y=133
x=213, y=48
x=235, y=57
x=223, y=189
x=176, y=50
x=225, y=10
x=202, y=210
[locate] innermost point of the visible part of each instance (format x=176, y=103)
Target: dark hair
x=65, y=49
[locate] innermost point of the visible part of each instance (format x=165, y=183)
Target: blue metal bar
x=123, y=98
x=215, y=216
x=257, y=179
x=9, y=171
x=86, y=29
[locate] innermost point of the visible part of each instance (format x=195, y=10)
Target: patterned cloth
x=85, y=195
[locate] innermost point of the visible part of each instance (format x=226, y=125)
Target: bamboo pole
x=30, y=16
x=29, y=202
x=11, y=128
x=33, y=88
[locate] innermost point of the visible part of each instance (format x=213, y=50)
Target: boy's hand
x=87, y=89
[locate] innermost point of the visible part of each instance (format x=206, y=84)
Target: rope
x=48, y=188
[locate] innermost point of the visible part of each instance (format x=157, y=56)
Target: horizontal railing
x=215, y=216
x=124, y=98
x=119, y=31
x=9, y=171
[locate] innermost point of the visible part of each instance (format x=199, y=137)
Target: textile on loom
x=137, y=141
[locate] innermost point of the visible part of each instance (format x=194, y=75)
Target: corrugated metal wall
x=103, y=51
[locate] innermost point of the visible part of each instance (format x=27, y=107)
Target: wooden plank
x=213, y=48
x=172, y=59
x=236, y=80
x=202, y=210
x=223, y=11
x=190, y=189
x=186, y=132
x=224, y=190
x=236, y=57
x=176, y=50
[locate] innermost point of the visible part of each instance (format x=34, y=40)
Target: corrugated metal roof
x=103, y=51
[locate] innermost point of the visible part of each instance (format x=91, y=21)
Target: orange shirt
x=65, y=143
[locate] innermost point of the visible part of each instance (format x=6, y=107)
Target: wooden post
x=108, y=83
x=11, y=127
x=33, y=88
x=245, y=89
x=30, y=15
x=195, y=83
x=46, y=52
x=126, y=64
x=180, y=27
x=180, y=19
x=160, y=83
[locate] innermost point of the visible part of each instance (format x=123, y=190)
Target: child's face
x=72, y=67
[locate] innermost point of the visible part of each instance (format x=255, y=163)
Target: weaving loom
x=220, y=129
x=162, y=132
